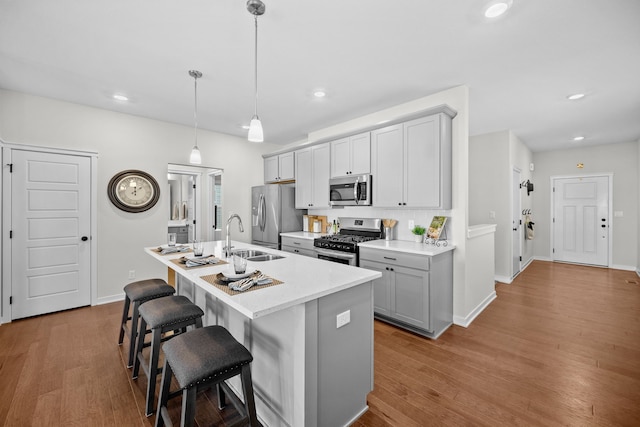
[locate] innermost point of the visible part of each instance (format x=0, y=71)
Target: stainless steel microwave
x=352, y=190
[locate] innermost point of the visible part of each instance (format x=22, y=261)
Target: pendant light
x=256, y=8
x=195, y=158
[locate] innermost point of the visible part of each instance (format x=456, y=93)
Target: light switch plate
x=343, y=318
x=618, y=214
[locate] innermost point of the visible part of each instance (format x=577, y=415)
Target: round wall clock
x=133, y=191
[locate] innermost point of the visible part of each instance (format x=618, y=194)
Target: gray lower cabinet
x=415, y=292
x=298, y=246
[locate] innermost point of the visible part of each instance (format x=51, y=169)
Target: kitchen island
x=311, y=336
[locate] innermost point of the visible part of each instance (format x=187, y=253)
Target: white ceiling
x=368, y=56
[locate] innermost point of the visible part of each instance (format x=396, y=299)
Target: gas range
x=343, y=247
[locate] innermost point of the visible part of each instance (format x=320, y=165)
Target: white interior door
x=581, y=220
x=50, y=227
x=516, y=227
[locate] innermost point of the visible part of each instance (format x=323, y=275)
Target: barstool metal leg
x=163, y=396
x=156, y=338
x=188, y=406
x=134, y=333
x=125, y=317
x=249, y=400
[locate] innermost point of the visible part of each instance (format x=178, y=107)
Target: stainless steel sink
x=265, y=257
x=248, y=253
x=255, y=255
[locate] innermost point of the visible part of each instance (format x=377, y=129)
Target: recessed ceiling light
x=319, y=94
x=575, y=96
x=496, y=9
x=120, y=97
x=578, y=138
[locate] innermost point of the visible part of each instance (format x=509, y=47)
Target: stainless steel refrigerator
x=273, y=212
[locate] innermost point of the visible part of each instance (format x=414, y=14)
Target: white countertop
x=303, y=235
x=408, y=247
x=305, y=279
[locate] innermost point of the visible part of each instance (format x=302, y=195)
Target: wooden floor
x=559, y=346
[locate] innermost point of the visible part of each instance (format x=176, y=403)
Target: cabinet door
x=387, y=166
x=286, y=167
x=381, y=287
x=320, y=178
x=304, y=175
x=360, y=155
x=422, y=162
x=271, y=169
x=340, y=157
x=410, y=296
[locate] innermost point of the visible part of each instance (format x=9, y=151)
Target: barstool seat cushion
x=148, y=289
x=204, y=353
x=167, y=311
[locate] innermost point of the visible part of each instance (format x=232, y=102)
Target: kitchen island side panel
x=306, y=371
x=345, y=355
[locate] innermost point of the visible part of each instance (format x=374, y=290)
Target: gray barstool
x=138, y=293
x=162, y=315
x=201, y=359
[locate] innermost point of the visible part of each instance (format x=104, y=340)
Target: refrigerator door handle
x=261, y=212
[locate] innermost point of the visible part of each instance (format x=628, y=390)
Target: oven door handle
x=336, y=254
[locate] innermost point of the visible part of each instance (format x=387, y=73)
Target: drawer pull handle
x=387, y=257
x=296, y=243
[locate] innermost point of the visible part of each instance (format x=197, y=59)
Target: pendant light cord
x=195, y=107
x=255, y=18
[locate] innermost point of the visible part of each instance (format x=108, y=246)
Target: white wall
x=619, y=159
x=492, y=158
x=130, y=142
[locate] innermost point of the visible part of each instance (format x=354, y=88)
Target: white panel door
x=50, y=224
x=581, y=220
x=387, y=166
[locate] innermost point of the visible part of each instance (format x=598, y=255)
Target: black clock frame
x=113, y=195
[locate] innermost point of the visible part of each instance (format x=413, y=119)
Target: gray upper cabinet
x=312, y=177
x=351, y=155
x=279, y=168
x=411, y=163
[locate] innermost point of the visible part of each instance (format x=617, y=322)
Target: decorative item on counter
x=437, y=235
x=418, y=233
x=305, y=222
x=388, y=225
x=317, y=226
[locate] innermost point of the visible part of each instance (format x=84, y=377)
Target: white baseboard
x=109, y=299
x=466, y=321
x=503, y=279
x=624, y=267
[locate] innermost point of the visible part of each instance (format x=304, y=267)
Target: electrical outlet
x=343, y=318
x=492, y=214
x=132, y=274
x=412, y=224
x=618, y=214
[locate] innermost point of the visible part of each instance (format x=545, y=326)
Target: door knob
x=84, y=238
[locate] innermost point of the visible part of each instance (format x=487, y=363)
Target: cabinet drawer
x=298, y=243
x=300, y=251
x=420, y=262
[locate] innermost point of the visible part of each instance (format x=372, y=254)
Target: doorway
x=48, y=215
x=195, y=202
x=581, y=226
